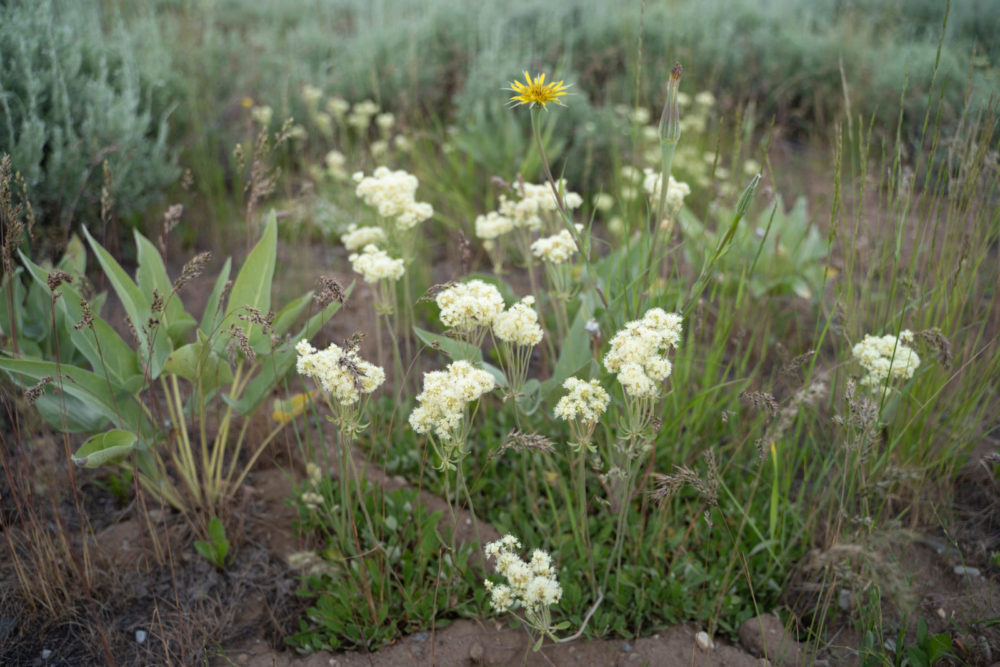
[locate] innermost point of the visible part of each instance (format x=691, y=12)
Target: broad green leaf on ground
x=104, y=448
x=136, y=308
x=152, y=274
x=252, y=287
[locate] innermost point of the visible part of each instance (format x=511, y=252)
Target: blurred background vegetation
x=155, y=86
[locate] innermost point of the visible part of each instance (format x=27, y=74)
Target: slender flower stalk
x=670, y=135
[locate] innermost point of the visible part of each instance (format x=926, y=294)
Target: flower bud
x=743, y=205
x=670, y=119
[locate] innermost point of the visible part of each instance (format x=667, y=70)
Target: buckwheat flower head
x=555, y=249
x=311, y=94
x=468, y=306
x=501, y=596
x=638, y=352
x=337, y=106
x=585, y=402
x=335, y=162
x=886, y=358
x=493, y=225
x=262, y=115
x=343, y=374
x=358, y=237
x=445, y=396
x=375, y=265
x=603, y=202
x=676, y=191
x=392, y=194
x=519, y=324
x=531, y=585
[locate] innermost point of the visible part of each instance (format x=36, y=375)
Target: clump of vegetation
x=688, y=400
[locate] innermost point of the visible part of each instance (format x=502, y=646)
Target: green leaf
x=103, y=348
x=136, y=308
x=69, y=413
x=152, y=274
x=19, y=293
x=74, y=259
x=284, y=320
x=574, y=355
x=200, y=365
x=104, y=448
x=211, y=319
x=458, y=350
x=86, y=386
x=252, y=286
x=275, y=366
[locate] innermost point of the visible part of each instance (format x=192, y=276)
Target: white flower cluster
x=335, y=164
x=531, y=585
x=886, y=357
x=638, y=352
x=556, y=249
x=375, y=265
x=445, y=396
x=392, y=194
x=342, y=373
x=676, y=191
x=358, y=237
x=493, y=225
x=527, y=212
x=469, y=306
x=585, y=402
x=518, y=324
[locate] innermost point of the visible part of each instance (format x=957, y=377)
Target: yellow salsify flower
x=287, y=410
x=536, y=91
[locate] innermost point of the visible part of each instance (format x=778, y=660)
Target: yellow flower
x=536, y=91
x=287, y=410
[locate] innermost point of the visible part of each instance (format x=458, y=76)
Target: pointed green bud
x=743, y=205
x=670, y=119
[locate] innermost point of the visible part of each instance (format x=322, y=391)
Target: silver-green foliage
x=75, y=93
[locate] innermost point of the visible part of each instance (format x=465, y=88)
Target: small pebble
x=626, y=647
x=420, y=637
x=140, y=636
x=941, y=613
x=46, y=654
x=844, y=599
x=961, y=570
x=703, y=641
x=476, y=653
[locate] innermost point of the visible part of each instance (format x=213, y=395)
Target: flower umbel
x=536, y=91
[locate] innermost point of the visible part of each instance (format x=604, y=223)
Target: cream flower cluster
x=375, y=265
x=585, y=402
x=519, y=324
x=342, y=373
x=531, y=584
x=638, y=352
x=493, y=225
x=445, y=396
x=886, y=357
x=676, y=191
x=555, y=249
x=535, y=201
x=392, y=194
x=358, y=237
x=469, y=306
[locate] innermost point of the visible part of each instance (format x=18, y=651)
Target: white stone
x=703, y=641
